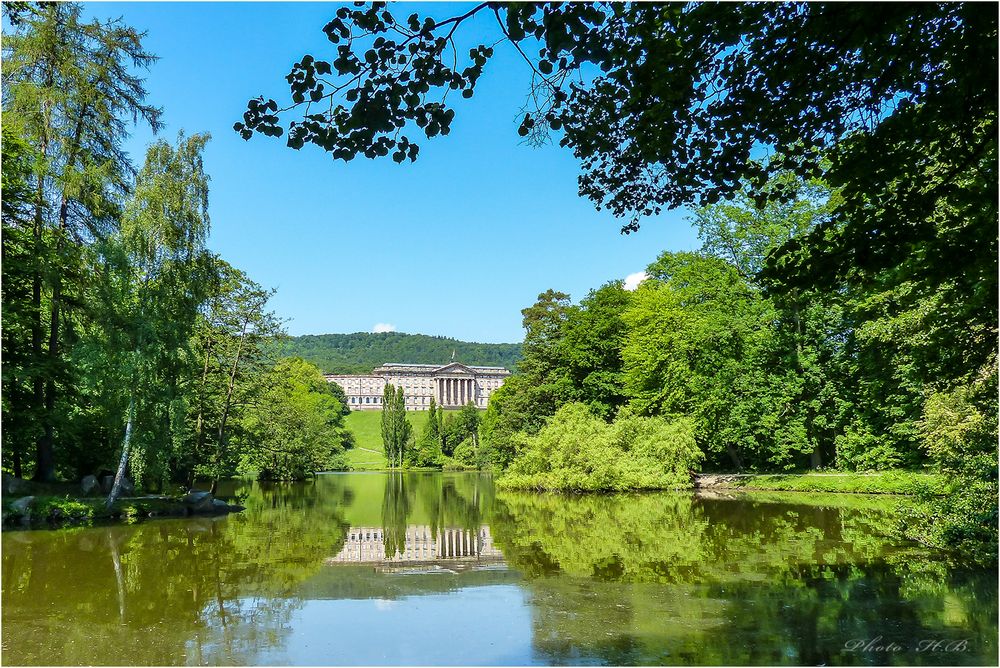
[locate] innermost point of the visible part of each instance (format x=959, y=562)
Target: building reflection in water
x=366, y=545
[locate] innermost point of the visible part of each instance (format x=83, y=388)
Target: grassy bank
x=887, y=482
x=366, y=426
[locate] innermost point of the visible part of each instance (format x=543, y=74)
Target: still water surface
x=430, y=568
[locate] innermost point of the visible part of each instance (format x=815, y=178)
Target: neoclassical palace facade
x=452, y=385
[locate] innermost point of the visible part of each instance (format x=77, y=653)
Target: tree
x=234, y=342
x=895, y=107
x=295, y=426
x=544, y=325
x=592, y=349
x=428, y=448
x=18, y=266
x=161, y=265
x=695, y=332
x=461, y=430
x=653, y=98
x=71, y=89
x=338, y=392
x=396, y=429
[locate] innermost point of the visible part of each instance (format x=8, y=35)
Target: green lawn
x=367, y=454
x=885, y=482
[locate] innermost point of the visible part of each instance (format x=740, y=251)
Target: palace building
x=453, y=385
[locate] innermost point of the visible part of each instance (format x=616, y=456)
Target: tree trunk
x=734, y=456
x=43, y=451
x=200, y=423
x=123, y=462
x=45, y=466
x=45, y=470
x=816, y=457
x=220, y=445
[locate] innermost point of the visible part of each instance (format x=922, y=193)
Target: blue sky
x=455, y=244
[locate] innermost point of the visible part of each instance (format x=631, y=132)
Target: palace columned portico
x=455, y=391
x=452, y=385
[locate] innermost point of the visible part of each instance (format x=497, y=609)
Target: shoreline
x=43, y=511
x=907, y=483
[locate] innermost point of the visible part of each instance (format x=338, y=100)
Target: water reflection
x=385, y=569
x=677, y=579
x=420, y=545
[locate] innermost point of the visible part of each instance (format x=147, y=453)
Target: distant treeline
x=362, y=351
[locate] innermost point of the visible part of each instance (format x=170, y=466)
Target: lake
x=441, y=568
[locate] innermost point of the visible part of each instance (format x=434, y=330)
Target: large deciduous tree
x=233, y=344
x=666, y=104
x=295, y=428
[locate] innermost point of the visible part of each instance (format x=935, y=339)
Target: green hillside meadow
x=367, y=454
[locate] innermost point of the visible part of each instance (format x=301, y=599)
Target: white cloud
x=382, y=327
x=632, y=281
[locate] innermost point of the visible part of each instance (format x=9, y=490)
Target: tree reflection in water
x=626, y=579
x=672, y=578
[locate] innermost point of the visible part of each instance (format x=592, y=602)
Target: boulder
x=89, y=485
x=199, y=501
x=126, y=487
x=12, y=486
x=21, y=505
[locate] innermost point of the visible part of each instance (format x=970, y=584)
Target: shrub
x=577, y=451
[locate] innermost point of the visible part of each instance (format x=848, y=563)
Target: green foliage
x=397, y=432
x=18, y=267
x=955, y=428
x=361, y=352
x=460, y=427
x=465, y=454
x=297, y=427
x=774, y=375
x=428, y=451
x=234, y=345
x=577, y=451
x=161, y=273
x=526, y=399
x=365, y=429
x=126, y=343
x=959, y=431
x=72, y=92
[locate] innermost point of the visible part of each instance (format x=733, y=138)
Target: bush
x=577, y=451
x=465, y=453
x=860, y=450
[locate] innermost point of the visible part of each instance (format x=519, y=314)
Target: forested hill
x=361, y=352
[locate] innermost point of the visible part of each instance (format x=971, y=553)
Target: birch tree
x=161, y=256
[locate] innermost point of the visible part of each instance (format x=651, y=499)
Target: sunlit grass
x=368, y=453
